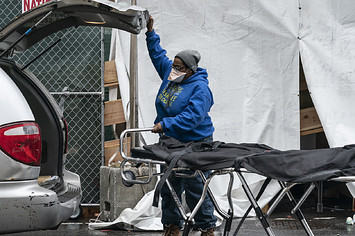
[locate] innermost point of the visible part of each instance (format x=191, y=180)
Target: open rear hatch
x=36, y=24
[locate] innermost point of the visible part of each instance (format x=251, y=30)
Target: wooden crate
x=310, y=122
x=110, y=74
x=114, y=112
x=111, y=147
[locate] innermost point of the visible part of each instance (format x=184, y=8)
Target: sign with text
x=29, y=4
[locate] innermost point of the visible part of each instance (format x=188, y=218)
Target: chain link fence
x=72, y=72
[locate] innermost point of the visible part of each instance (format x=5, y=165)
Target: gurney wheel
x=130, y=176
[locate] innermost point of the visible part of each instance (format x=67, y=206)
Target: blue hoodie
x=182, y=108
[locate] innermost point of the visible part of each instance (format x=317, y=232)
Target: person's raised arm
x=150, y=24
x=157, y=54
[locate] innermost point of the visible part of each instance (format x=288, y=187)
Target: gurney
x=289, y=168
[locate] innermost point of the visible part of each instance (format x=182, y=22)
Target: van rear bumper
x=25, y=206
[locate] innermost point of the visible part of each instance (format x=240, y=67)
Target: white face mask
x=176, y=76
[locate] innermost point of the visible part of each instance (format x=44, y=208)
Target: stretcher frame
x=129, y=180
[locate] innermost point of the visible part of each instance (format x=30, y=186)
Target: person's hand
x=150, y=24
x=157, y=128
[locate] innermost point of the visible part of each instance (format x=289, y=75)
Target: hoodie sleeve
x=157, y=54
x=193, y=114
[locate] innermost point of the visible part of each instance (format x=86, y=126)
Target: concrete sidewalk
x=328, y=223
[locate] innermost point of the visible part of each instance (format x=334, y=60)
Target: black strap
x=216, y=144
x=262, y=189
x=174, y=157
x=206, y=146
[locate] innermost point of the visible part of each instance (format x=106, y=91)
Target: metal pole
x=133, y=69
x=102, y=97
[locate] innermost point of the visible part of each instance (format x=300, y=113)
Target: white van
x=36, y=192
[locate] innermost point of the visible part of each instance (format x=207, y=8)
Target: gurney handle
x=124, y=156
x=121, y=146
x=126, y=159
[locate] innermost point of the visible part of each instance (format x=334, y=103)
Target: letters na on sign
x=29, y=4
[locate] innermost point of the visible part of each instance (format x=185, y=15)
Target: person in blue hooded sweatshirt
x=182, y=105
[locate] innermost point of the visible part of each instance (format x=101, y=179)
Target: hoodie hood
x=199, y=75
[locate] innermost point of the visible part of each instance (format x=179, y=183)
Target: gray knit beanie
x=190, y=58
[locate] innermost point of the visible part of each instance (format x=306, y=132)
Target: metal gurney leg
x=256, y=207
x=296, y=205
x=227, y=216
x=206, y=190
x=296, y=210
x=284, y=191
x=263, y=187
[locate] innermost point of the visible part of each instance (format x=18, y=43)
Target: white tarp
x=327, y=46
x=251, y=51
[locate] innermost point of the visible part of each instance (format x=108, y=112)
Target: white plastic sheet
x=327, y=44
x=251, y=51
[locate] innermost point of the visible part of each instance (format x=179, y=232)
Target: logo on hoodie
x=170, y=93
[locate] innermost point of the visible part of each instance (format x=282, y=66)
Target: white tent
x=251, y=51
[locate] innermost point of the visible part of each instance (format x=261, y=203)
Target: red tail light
x=22, y=142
